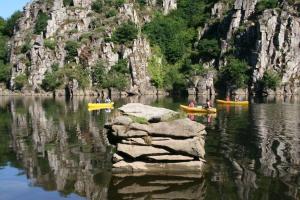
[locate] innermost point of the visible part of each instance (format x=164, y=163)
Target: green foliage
x=119, y=3
x=77, y=72
x=156, y=68
x=3, y=48
x=4, y=72
x=140, y=120
x=68, y=3
x=117, y=77
x=26, y=47
x=51, y=81
x=20, y=81
x=266, y=4
x=8, y=29
x=71, y=48
x=234, y=73
x=208, y=49
x=270, y=80
x=171, y=34
x=50, y=44
x=142, y=2
x=41, y=23
x=125, y=33
x=111, y=13
x=97, y=6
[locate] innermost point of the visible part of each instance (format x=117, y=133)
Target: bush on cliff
x=4, y=72
x=125, y=33
x=51, y=81
x=41, y=23
x=234, y=74
x=270, y=80
x=209, y=49
x=71, y=48
x=8, y=29
x=117, y=77
x=20, y=81
x=266, y=4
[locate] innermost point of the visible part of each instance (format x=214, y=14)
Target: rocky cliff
x=78, y=35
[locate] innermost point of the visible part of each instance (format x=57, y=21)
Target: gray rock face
x=142, y=147
x=135, y=151
x=148, y=112
x=169, y=5
x=191, y=166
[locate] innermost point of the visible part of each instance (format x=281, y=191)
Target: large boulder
x=148, y=112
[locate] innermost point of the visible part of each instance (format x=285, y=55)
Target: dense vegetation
x=6, y=31
x=125, y=33
x=41, y=23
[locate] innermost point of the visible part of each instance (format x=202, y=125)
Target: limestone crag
x=91, y=31
x=171, y=146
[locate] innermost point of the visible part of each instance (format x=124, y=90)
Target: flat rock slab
x=148, y=112
x=180, y=167
x=191, y=146
x=177, y=128
x=135, y=151
x=171, y=158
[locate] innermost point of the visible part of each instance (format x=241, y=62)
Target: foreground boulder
x=169, y=145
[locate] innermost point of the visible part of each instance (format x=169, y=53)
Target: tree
x=4, y=72
x=209, y=49
x=71, y=48
x=234, y=73
x=270, y=80
x=51, y=81
x=10, y=23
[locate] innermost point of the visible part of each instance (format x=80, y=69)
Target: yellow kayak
x=232, y=102
x=198, y=109
x=95, y=106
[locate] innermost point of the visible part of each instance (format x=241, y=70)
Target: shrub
x=235, y=73
x=71, y=48
x=51, y=81
x=26, y=47
x=125, y=33
x=142, y=2
x=270, y=80
x=266, y=4
x=4, y=72
x=20, y=81
x=117, y=77
x=111, y=13
x=50, y=44
x=208, y=49
x=119, y=3
x=68, y=3
x=77, y=72
x=41, y=23
x=97, y=6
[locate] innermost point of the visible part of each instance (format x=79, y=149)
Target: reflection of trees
x=61, y=146
x=280, y=152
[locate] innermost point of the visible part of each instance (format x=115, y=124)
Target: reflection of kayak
x=96, y=106
x=198, y=109
x=232, y=102
x=94, y=109
x=201, y=114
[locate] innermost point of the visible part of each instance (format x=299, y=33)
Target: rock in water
x=148, y=112
x=176, y=145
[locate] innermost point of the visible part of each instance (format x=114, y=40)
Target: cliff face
x=74, y=23
x=268, y=40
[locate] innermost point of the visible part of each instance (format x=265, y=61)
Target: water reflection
x=252, y=153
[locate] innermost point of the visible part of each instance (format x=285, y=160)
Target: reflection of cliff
x=280, y=147
x=157, y=187
x=61, y=146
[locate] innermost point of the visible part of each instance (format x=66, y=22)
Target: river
x=56, y=149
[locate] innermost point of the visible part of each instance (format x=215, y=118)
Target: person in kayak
x=107, y=100
x=207, y=105
x=227, y=98
x=98, y=100
x=192, y=104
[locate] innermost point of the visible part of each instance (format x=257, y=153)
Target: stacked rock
x=158, y=143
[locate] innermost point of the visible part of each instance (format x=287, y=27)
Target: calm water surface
x=56, y=149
